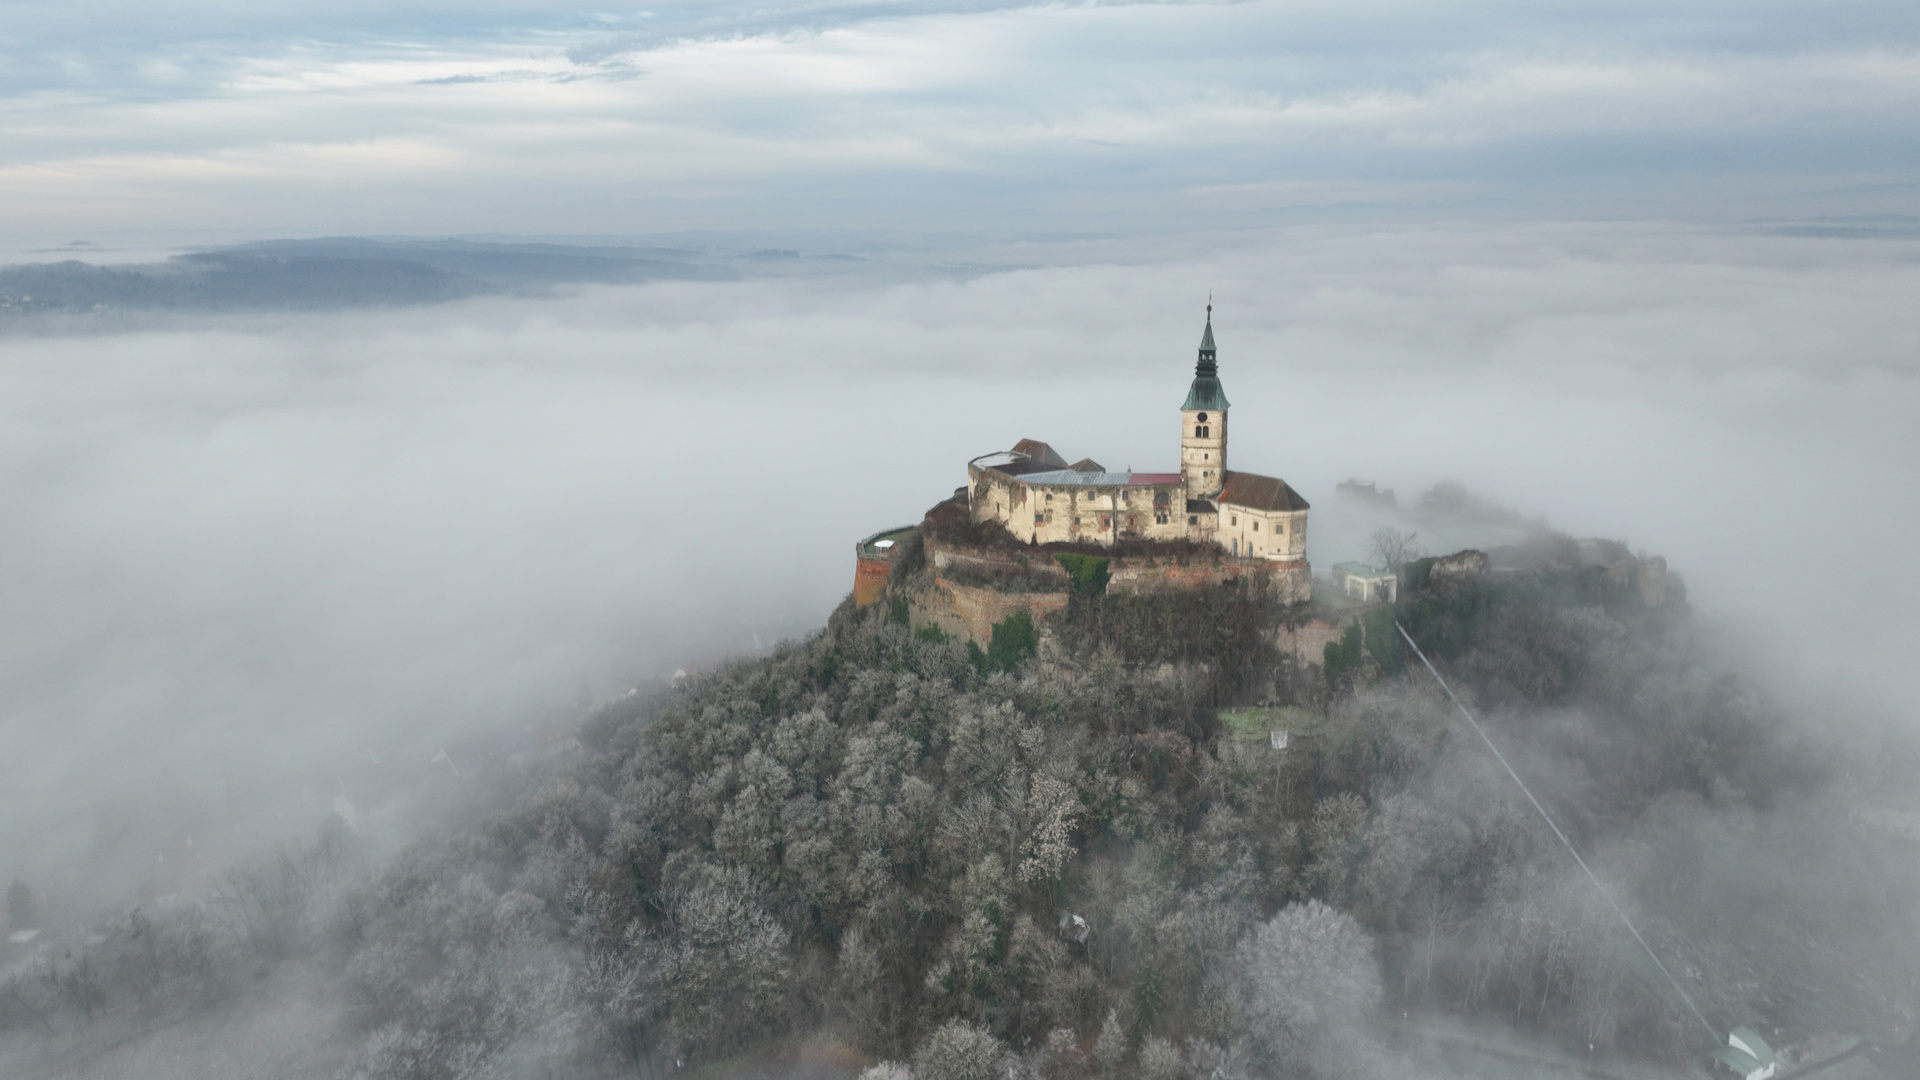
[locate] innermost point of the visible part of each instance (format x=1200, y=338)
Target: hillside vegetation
x=1063, y=864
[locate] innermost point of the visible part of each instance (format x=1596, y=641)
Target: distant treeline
x=325, y=274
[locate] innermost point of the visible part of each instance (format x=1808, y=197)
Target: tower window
x=1203, y=418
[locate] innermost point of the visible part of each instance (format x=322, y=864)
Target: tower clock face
x=1203, y=418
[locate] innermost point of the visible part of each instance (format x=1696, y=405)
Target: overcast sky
x=180, y=122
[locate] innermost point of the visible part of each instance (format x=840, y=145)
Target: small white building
x=1363, y=582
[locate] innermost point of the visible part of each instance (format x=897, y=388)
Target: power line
x=1564, y=842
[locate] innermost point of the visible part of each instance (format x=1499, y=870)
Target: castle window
x=1049, y=496
x=1160, y=519
x=1233, y=521
x=1193, y=520
x=1256, y=526
x=1076, y=522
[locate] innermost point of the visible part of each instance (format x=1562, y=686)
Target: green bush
x=1014, y=639
x=1383, y=640
x=1089, y=572
x=1343, y=656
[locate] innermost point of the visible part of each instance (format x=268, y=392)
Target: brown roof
x=1022, y=468
x=1087, y=464
x=1256, y=492
x=1039, y=451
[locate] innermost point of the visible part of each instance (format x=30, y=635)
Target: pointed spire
x=1206, y=392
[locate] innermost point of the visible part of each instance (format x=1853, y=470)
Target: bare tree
x=1394, y=548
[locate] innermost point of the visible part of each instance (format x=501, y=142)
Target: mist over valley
x=635, y=543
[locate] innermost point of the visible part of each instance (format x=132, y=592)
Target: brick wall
x=870, y=574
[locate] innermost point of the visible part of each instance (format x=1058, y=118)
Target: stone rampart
x=971, y=610
x=1129, y=573
x=1308, y=644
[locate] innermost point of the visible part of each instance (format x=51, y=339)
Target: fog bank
x=245, y=555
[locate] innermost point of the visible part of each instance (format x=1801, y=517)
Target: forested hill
x=1057, y=860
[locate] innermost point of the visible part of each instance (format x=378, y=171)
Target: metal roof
x=1066, y=477
x=1070, y=478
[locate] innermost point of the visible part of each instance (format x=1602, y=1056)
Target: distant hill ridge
x=339, y=272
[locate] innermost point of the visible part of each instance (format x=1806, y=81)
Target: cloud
x=999, y=117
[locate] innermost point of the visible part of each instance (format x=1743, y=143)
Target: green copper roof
x=1206, y=392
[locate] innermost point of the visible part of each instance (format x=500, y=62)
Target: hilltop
x=1081, y=851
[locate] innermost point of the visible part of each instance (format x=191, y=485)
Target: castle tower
x=1203, y=425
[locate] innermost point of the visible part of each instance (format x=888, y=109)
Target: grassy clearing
x=1255, y=722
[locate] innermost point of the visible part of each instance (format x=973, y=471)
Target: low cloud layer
x=243, y=555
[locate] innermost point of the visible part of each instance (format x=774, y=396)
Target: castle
x=1199, y=527
x=1041, y=499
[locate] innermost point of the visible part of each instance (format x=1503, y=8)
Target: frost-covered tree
x=1312, y=984
x=957, y=1050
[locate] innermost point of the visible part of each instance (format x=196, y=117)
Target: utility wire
x=1564, y=842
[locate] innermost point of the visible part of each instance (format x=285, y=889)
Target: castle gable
x=1256, y=492
x=1039, y=451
